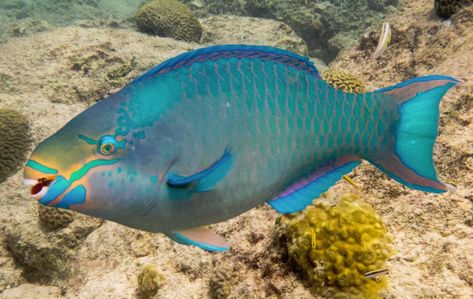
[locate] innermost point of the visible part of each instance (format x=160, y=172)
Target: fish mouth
x=39, y=187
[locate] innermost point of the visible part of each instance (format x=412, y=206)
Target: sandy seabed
x=53, y=76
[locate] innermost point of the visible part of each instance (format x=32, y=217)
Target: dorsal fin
x=232, y=51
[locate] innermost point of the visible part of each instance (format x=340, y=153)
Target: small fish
x=383, y=42
x=313, y=238
x=350, y=181
x=214, y=132
x=376, y=274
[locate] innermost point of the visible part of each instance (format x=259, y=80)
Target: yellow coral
x=169, y=18
x=149, y=281
x=343, y=81
x=336, y=245
x=14, y=141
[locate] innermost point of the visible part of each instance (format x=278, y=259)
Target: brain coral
x=220, y=285
x=54, y=218
x=14, y=142
x=343, y=81
x=169, y=18
x=335, y=245
x=446, y=8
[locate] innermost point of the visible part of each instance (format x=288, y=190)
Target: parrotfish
x=215, y=132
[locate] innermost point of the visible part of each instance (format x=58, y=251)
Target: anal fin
x=301, y=194
x=201, y=237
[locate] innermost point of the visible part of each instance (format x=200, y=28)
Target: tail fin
x=410, y=162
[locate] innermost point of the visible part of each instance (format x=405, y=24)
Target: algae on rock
x=169, y=18
x=446, y=8
x=336, y=245
x=149, y=281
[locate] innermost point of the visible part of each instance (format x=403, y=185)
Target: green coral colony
x=336, y=246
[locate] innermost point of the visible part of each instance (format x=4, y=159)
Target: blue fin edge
x=301, y=198
x=418, y=79
x=177, y=237
x=172, y=62
x=205, y=179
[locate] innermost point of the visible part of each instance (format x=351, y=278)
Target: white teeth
x=30, y=182
x=40, y=193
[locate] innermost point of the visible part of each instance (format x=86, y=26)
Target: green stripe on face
x=89, y=165
x=40, y=167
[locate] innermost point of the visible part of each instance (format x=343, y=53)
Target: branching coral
x=14, y=141
x=169, y=18
x=343, y=81
x=335, y=246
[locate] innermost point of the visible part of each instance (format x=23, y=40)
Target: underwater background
x=59, y=57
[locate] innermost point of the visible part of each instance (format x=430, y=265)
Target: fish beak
x=39, y=187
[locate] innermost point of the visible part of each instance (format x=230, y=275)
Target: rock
x=54, y=218
x=27, y=27
x=315, y=21
x=47, y=257
x=446, y=8
x=169, y=18
x=254, y=31
x=31, y=291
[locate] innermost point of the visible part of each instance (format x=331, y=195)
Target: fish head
x=94, y=166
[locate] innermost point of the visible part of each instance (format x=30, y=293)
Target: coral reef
x=54, y=218
x=344, y=81
x=14, y=141
x=220, y=285
x=335, y=245
x=245, y=30
x=169, y=18
x=446, y=8
x=149, y=281
x=326, y=26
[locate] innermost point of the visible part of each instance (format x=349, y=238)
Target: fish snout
x=39, y=187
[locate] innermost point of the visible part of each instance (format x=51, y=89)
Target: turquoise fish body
x=214, y=132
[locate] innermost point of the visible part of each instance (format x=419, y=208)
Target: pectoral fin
x=203, y=180
x=201, y=237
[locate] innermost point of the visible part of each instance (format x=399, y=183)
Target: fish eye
x=107, y=149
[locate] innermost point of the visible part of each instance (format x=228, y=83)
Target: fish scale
x=214, y=132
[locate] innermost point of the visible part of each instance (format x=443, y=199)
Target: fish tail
x=410, y=158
